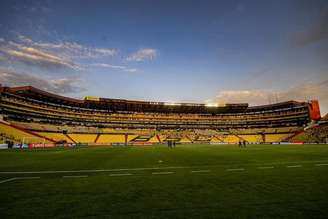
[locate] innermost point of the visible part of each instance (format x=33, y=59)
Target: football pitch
x=189, y=181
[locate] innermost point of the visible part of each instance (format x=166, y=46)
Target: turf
x=260, y=181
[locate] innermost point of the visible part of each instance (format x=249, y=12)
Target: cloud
x=72, y=50
x=56, y=85
x=120, y=67
x=32, y=55
x=66, y=54
x=49, y=55
x=316, y=32
x=35, y=56
x=244, y=96
x=302, y=92
x=143, y=54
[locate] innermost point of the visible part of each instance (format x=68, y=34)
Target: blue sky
x=258, y=52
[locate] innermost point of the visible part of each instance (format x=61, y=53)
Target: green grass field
x=190, y=181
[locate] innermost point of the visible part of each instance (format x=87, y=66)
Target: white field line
x=76, y=176
x=236, y=169
x=121, y=174
x=268, y=167
x=200, y=171
x=148, y=168
x=7, y=180
x=19, y=178
x=294, y=166
x=321, y=164
x=93, y=171
x=161, y=173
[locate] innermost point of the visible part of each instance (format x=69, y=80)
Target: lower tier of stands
x=317, y=134
x=28, y=133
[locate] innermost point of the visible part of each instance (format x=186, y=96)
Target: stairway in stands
x=142, y=138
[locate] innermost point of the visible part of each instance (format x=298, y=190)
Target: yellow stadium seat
x=185, y=140
x=154, y=139
x=56, y=136
x=276, y=137
x=231, y=139
x=252, y=138
x=108, y=138
x=83, y=138
x=20, y=136
x=131, y=137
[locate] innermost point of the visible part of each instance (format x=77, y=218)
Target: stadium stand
x=21, y=136
x=109, y=138
x=30, y=113
x=58, y=137
x=316, y=134
x=83, y=138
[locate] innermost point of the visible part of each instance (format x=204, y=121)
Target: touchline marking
x=79, y=176
x=294, y=166
x=161, y=173
x=271, y=167
x=121, y=174
x=149, y=168
x=94, y=171
x=237, y=169
x=200, y=171
x=321, y=164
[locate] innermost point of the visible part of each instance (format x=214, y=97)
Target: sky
x=256, y=52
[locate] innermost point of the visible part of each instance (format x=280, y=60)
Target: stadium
x=157, y=109
x=36, y=118
x=71, y=143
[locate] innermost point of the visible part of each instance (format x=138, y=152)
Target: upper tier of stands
x=14, y=107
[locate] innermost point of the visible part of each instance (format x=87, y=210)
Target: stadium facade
x=30, y=115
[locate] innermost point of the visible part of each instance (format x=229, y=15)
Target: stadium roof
x=141, y=106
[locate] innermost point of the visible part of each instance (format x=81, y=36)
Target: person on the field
x=244, y=143
x=169, y=143
x=239, y=144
